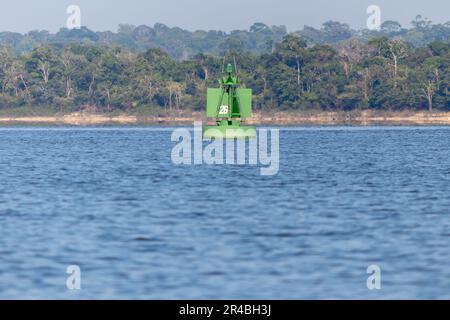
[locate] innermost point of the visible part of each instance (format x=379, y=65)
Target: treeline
x=383, y=73
x=260, y=38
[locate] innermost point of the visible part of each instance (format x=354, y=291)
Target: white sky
x=23, y=16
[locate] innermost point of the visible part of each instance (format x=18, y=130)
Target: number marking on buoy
x=223, y=110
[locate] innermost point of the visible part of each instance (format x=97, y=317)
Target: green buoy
x=229, y=105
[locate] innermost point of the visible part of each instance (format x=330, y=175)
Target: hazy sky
x=23, y=16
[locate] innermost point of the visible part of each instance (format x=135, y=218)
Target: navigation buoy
x=229, y=105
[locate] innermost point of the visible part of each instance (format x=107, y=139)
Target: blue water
x=110, y=201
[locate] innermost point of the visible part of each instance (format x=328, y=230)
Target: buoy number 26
x=223, y=110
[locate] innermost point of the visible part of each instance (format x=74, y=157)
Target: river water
x=110, y=201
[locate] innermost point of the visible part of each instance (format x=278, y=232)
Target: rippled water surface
x=111, y=201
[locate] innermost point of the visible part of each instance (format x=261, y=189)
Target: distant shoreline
x=363, y=118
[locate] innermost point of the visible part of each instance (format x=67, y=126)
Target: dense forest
x=169, y=69
x=260, y=38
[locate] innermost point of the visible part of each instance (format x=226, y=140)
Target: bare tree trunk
x=298, y=78
x=395, y=69
x=429, y=93
x=346, y=69
x=45, y=69
x=108, y=95
x=68, y=87
x=170, y=97
x=430, y=101
x=25, y=85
